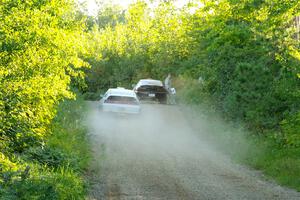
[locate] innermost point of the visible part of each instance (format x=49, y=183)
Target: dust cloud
x=162, y=154
x=157, y=131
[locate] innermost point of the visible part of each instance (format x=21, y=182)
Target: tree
x=245, y=53
x=39, y=53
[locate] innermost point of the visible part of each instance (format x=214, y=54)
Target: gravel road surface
x=157, y=155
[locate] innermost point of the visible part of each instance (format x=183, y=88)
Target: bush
x=42, y=183
x=69, y=134
x=51, y=157
x=192, y=91
x=55, y=169
x=92, y=96
x=36, y=67
x=291, y=131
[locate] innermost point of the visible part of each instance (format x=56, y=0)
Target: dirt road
x=158, y=156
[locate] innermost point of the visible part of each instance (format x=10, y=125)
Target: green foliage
x=110, y=15
x=244, y=51
x=247, y=63
x=146, y=43
x=92, y=96
x=246, y=55
x=282, y=164
x=43, y=184
x=55, y=170
x=192, y=92
x=40, y=45
x=69, y=124
x=46, y=156
x=291, y=128
x=39, y=53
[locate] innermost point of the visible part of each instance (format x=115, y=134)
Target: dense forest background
x=242, y=58
x=237, y=58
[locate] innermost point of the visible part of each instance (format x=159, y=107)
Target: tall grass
x=54, y=170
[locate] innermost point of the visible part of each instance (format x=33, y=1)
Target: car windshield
x=121, y=100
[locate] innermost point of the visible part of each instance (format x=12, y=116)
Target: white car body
x=120, y=100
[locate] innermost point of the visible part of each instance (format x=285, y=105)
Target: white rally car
x=120, y=100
